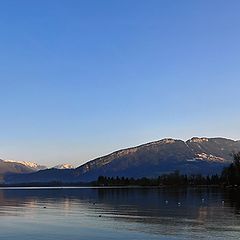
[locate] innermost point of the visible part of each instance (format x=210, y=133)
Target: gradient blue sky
x=80, y=79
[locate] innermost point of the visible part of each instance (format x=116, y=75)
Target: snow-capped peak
x=27, y=164
x=64, y=166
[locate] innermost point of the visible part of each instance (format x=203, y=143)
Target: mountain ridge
x=164, y=140
x=194, y=156
x=191, y=145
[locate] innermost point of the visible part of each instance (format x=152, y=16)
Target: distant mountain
x=30, y=165
x=64, y=166
x=11, y=166
x=205, y=156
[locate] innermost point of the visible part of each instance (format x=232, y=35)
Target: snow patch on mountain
x=208, y=157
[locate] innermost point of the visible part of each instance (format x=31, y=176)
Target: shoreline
x=66, y=186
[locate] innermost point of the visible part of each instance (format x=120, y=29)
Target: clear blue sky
x=80, y=79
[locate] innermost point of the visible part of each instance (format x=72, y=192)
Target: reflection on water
x=118, y=213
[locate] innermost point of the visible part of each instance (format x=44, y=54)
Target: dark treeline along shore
x=230, y=177
x=172, y=179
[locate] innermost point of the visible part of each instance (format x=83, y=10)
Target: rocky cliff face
x=205, y=156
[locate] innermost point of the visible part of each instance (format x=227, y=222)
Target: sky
x=80, y=79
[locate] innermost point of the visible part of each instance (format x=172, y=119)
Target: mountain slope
x=197, y=155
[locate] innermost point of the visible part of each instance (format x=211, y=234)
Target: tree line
x=230, y=176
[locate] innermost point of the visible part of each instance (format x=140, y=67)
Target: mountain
x=30, y=165
x=11, y=166
x=205, y=156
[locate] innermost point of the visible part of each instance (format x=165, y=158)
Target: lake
x=119, y=213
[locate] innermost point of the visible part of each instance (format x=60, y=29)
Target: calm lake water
x=119, y=213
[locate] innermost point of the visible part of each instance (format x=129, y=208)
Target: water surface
x=119, y=213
